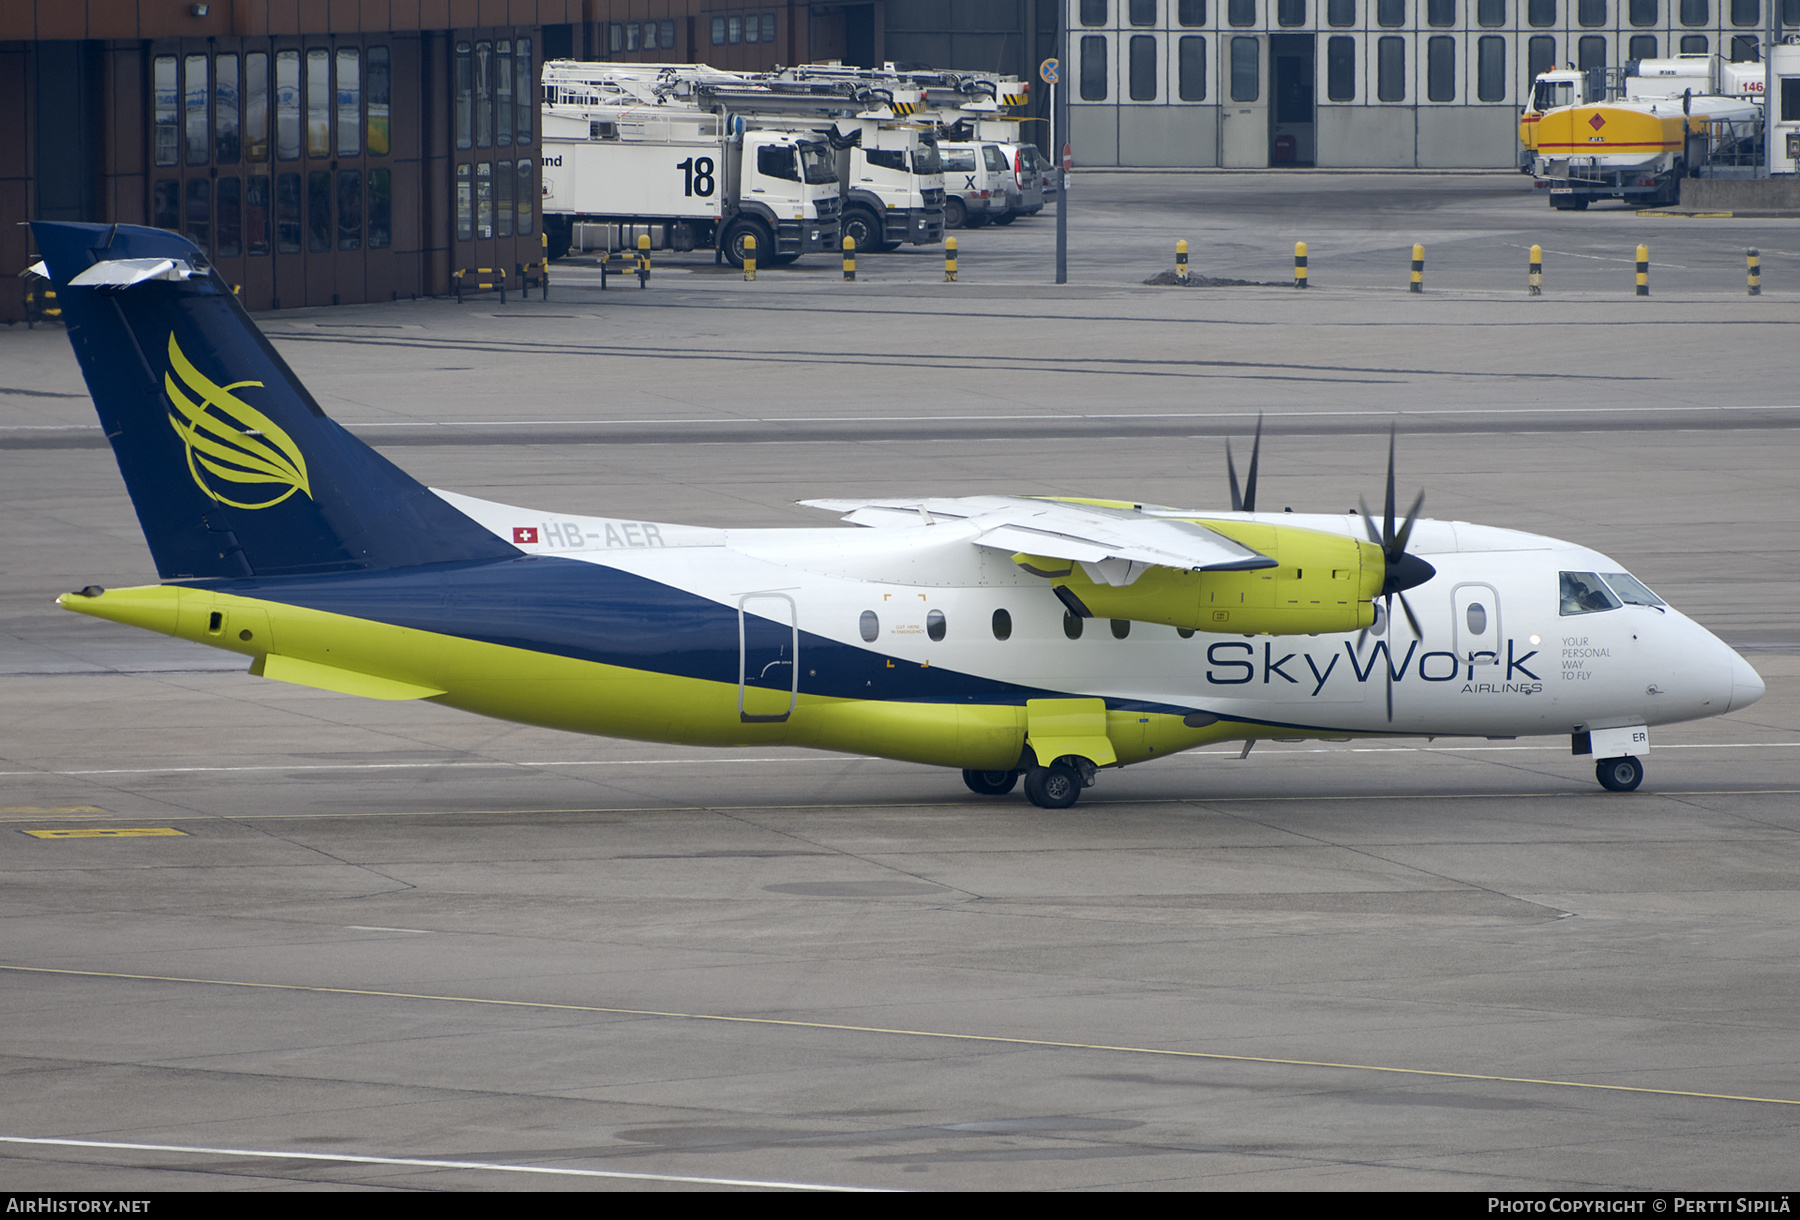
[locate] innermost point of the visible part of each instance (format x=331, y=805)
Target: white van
x=978, y=180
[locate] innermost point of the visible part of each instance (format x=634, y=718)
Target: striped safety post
x=643, y=260
x=1753, y=266
x=749, y=256
x=1299, y=264
x=1535, y=273
x=849, y=260
x=1181, y=261
x=1418, y=268
x=949, y=260
x=1643, y=271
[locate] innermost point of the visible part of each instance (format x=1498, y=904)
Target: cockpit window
x=1584, y=593
x=1630, y=590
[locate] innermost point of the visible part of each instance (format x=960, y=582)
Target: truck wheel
x=1568, y=205
x=560, y=234
x=955, y=213
x=735, y=234
x=975, y=220
x=862, y=226
x=1005, y=218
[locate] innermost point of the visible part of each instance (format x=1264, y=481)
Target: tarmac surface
x=388, y=946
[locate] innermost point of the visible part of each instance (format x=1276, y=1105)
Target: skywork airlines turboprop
x=1004, y=636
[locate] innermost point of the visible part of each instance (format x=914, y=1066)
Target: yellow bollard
x=949, y=260
x=643, y=259
x=849, y=260
x=1299, y=264
x=1181, y=261
x=1643, y=271
x=1534, y=277
x=1418, y=270
x=749, y=256
x=1753, y=260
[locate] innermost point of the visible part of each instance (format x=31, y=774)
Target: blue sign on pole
x=1050, y=71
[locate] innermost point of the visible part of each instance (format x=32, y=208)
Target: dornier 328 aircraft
x=1000, y=635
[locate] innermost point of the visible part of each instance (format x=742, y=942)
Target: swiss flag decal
x=525, y=533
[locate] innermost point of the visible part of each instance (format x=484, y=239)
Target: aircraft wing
x=1115, y=544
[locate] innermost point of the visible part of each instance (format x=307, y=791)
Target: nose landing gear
x=1619, y=774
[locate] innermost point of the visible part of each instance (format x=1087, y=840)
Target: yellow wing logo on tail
x=229, y=440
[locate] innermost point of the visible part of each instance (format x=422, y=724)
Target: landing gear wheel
x=956, y=213
x=1619, y=774
x=1055, y=787
x=991, y=783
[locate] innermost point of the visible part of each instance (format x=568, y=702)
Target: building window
x=1440, y=12
x=1745, y=49
x=379, y=92
x=256, y=215
x=1693, y=44
x=1390, y=14
x=226, y=101
x=287, y=213
x=1340, y=13
x=768, y=24
x=1440, y=68
x=1491, y=13
x=199, y=150
x=1241, y=13
x=1246, y=70
x=1643, y=46
x=165, y=205
x=484, y=200
x=1142, y=12
x=484, y=94
x=1490, y=68
x=318, y=105
x=503, y=200
x=615, y=36
x=631, y=36
x=256, y=106
x=1340, y=68
x=1390, y=69
x=668, y=33
x=1696, y=12
x=526, y=195
x=349, y=209
x=349, y=102
x=1540, y=55
x=1590, y=53
x=1093, y=12
x=526, y=94
x=1093, y=68
x=230, y=219
x=1143, y=67
x=1591, y=13
x=718, y=31
x=1743, y=12
x=734, y=30
x=1290, y=12
x=165, y=107
x=198, y=228
x=752, y=29
x=287, y=105
x=465, y=202
x=503, y=94
x=318, y=211
x=1191, y=60
x=381, y=209
x=1644, y=14
x=465, y=97
x=1541, y=13
x=1190, y=13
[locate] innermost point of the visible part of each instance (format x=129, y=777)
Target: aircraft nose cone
x=1746, y=683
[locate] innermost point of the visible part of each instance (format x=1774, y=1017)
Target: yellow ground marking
x=51, y=809
x=105, y=832
x=986, y=1039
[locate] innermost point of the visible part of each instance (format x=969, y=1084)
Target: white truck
x=622, y=144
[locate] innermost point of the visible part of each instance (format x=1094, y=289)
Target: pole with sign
x=1059, y=138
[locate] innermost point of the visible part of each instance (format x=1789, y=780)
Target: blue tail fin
x=232, y=467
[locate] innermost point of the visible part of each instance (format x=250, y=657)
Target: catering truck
x=623, y=145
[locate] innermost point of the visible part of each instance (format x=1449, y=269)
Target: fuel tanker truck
x=1675, y=115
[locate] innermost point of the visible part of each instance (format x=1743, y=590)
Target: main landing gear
x=1057, y=786
x=1619, y=774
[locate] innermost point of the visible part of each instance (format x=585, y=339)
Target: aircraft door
x=1475, y=620
x=768, y=658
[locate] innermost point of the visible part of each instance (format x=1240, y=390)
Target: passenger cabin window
x=935, y=626
x=1121, y=627
x=869, y=626
x=1071, y=626
x=1584, y=593
x=1002, y=625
